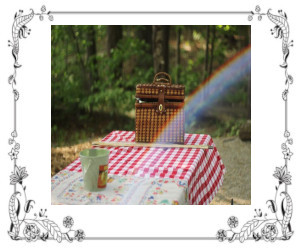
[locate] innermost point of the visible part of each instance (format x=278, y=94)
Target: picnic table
x=140, y=175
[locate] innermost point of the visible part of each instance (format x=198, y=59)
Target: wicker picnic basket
x=159, y=111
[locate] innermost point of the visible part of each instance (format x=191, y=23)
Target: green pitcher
x=93, y=162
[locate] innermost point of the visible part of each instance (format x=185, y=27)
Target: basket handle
x=164, y=78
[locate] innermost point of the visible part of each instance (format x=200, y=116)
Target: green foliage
x=218, y=128
x=237, y=95
x=228, y=128
x=71, y=72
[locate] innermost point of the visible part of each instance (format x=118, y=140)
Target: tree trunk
x=144, y=33
x=212, y=49
x=178, y=55
x=92, y=56
x=114, y=35
x=206, y=52
x=92, y=74
x=160, y=46
x=82, y=64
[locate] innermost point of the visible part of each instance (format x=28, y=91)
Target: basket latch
x=161, y=100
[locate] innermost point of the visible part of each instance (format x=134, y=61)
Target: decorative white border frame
x=260, y=227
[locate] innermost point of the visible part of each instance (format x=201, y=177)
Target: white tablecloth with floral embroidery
x=67, y=188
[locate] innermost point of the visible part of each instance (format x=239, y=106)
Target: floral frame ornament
x=39, y=227
x=279, y=226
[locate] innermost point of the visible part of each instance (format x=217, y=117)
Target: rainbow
x=228, y=74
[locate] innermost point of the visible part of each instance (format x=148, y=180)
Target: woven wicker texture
x=160, y=121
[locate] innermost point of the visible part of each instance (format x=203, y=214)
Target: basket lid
x=161, y=81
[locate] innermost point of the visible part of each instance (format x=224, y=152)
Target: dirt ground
x=236, y=156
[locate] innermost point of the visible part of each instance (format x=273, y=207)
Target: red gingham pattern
x=202, y=169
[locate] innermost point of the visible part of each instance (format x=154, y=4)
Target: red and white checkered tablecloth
x=202, y=169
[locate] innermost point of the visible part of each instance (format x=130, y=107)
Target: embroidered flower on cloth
x=221, y=235
x=283, y=175
x=269, y=232
x=79, y=235
x=68, y=222
x=18, y=175
x=233, y=222
x=31, y=232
